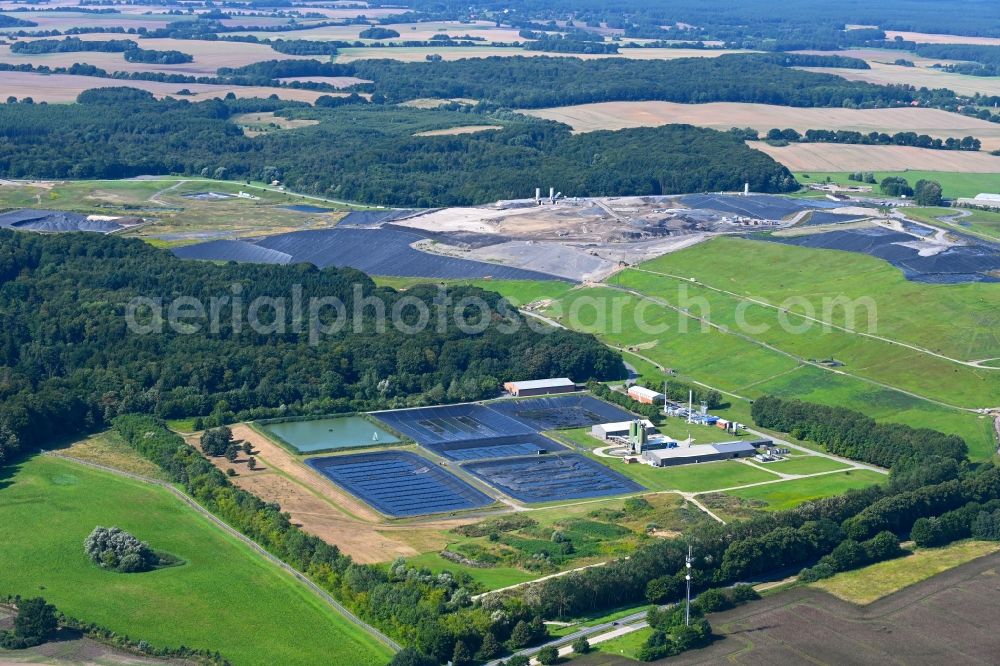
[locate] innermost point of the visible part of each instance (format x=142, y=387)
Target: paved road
x=320, y=592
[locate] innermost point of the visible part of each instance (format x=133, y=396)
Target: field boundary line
x=232, y=531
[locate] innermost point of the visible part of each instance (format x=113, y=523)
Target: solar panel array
x=400, y=483
x=497, y=447
x=549, y=478
x=561, y=411
x=451, y=423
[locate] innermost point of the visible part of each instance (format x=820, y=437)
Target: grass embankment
x=954, y=185
x=871, y=583
x=982, y=223
x=225, y=597
x=957, y=320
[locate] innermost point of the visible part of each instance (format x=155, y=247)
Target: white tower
x=687, y=577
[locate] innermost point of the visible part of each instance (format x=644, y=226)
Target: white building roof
x=700, y=450
x=644, y=392
x=542, y=383
x=988, y=197
x=623, y=425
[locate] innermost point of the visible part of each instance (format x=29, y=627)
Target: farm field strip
x=919, y=77
x=762, y=117
x=61, y=88
x=812, y=157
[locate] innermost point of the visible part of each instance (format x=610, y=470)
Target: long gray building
x=684, y=455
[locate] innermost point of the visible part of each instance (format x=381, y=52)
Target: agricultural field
x=209, y=56
x=50, y=558
x=919, y=77
x=946, y=619
x=879, y=580
x=954, y=185
x=64, y=88
x=762, y=117
x=257, y=124
x=933, y=38
x=826, y=157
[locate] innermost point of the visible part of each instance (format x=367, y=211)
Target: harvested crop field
x=762, y=117
x=809, y=157
x=464, y=129
x=208, y=55
x=929, y=38
x=257, y=124
x=919, y=77
x=948, y=619
x=65, y=88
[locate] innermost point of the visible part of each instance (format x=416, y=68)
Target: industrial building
x=684, y=455
x=540, y=387
x=644, y=395
x=622, y=429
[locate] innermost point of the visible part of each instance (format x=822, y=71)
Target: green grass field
x=225, y=597
x=958, y=320
x=985, y=224
x=805, y=465
x=868, y=584
x=789, y=494
x=954, y=185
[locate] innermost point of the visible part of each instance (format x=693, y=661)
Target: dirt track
x=323, y=509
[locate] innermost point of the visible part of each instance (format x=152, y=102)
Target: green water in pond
x=345, y=432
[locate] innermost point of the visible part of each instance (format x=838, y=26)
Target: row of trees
x=371, y=153
x=968, y=143
x=924, y=192
x=851, y=434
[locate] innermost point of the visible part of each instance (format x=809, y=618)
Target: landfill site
x=585, y=239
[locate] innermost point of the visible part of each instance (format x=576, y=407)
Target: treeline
x=140, y=135
x=853, y=529
x=128, y=47
x=71, y=363
x=565, y=44
x=533, y=82
x=848, y=433
x=433, y=613
x=967, y=143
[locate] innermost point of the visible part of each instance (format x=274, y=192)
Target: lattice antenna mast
x=687, y=577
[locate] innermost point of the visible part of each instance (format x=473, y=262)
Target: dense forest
x=69, y=362
x=366, y=152
x=533, y=82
